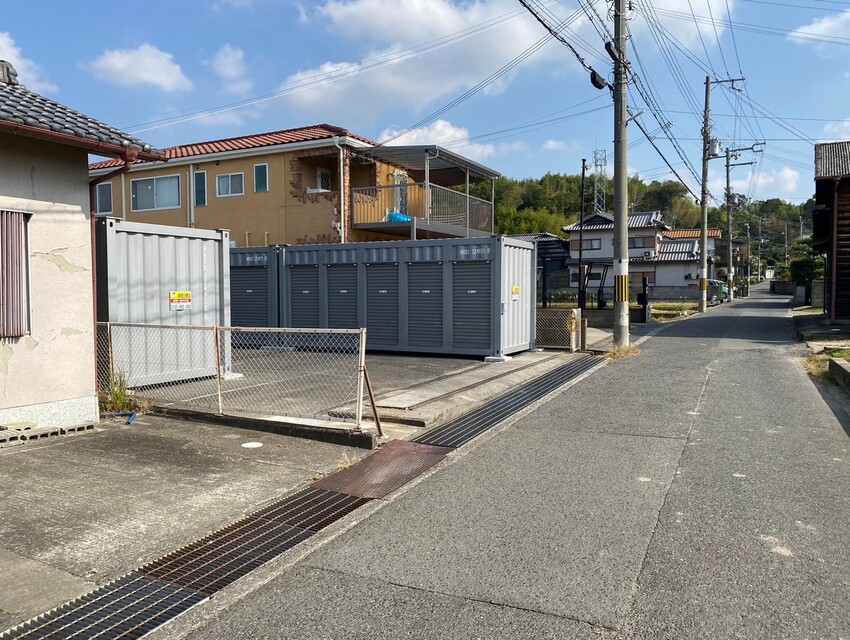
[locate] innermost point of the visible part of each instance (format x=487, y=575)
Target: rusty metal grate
x=129, y=607
x=395, y=464
x=212, y=563
x=471, y=425
x=312, y=508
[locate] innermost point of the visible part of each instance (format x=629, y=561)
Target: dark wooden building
x=831, y=225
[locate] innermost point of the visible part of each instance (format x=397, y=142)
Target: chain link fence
x=306, y=373
x=557, y=329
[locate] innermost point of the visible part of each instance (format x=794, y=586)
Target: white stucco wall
x=48, y=377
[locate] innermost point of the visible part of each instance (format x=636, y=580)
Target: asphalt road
x=698, y=490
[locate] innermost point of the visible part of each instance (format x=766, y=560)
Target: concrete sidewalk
x=699, y=490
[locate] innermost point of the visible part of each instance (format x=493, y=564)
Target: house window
x=261, y=178
x=230, y=184
x=149, y=194
x=103, y=198
x=593, y=243
x=323, y=179
x=14, y=285
x=200, y=188
x=636, y=243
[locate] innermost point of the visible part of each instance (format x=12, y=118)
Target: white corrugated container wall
x=139, y=267
x=518, y=271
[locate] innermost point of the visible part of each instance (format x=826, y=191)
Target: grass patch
x=119, y=398
x=817, y=366
x=623, y=353
x=840, y=354
x=675, y=306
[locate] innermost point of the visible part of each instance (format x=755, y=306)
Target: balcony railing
x=402, y=203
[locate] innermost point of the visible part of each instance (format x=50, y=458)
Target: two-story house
x=668, y=259
x=317, y=184
x=831, y=225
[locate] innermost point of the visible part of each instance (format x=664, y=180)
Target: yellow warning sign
x=515, y=292
x=179, y=300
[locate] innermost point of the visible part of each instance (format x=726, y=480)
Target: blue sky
x=187, y=71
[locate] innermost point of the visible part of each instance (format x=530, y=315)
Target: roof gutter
x=75, y=141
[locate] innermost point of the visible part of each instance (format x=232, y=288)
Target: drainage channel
x=139, y=602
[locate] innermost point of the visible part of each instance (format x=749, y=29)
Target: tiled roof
x=254, y=141
x=832, y=160
x=25, y=112
x=643, y=220
x=678, y=250
x=692, y=233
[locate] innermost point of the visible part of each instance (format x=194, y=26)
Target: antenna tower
x=600, y=160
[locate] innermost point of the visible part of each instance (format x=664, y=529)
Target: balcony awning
x=446, y=168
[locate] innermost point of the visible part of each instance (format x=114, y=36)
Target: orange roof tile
x=691, y=233
x=254, y=141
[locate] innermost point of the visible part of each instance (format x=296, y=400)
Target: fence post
x=361, y=372
x=218, y=368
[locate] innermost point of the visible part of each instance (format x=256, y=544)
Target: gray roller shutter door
x=382, y=304
x=304, y=296
x=471, y=286
x=342, y=296
x=249, y=296
x=425, y=304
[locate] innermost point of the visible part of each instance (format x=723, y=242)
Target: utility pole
x=621, y=181
x=707, y=154
x=582, y=292
x=759, y=253
x=730, y=270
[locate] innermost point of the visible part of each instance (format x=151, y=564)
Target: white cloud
x=559, y=145
x=143, y=65
x=839, y=130
x=388, y=76
x=229, y=65
x=682, y=25
x=29, y=73
x=446, y=134
x=828, y=26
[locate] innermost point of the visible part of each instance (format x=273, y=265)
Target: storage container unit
x=254, y=286
x=157, y=275
x=473, y=296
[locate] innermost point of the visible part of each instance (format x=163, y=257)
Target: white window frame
x=195, y=188
x=97, y=199
x=15, y=290
x=229, y=195
x=155, y=208
x=268, y=186
x=319, y=172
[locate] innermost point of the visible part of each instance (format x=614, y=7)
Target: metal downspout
x=427, y=187
x=341, y=190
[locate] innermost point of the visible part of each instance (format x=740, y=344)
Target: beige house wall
x=286, y=214
x=48, y=376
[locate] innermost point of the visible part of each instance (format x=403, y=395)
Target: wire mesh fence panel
x=553, y=328
x=273, y=372
x=294, y=372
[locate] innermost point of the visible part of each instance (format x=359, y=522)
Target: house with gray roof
x=47, y=337
x=669, y=260
x=831, y=225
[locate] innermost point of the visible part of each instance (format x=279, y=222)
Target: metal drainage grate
x=394, y=465
x=312, y=509
x=467, y=427
x=130, y=607
x=212, y=563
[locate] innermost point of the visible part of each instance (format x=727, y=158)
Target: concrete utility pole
x=621, y=181
x=707, y=154
x=582, y=292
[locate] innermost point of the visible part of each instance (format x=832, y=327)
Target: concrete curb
x=840, y=370
x=346, y=437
